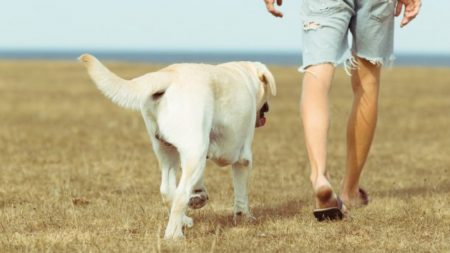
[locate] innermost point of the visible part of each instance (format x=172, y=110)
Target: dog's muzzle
x=260, y=118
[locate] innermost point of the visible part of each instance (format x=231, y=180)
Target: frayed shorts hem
x=350, y=62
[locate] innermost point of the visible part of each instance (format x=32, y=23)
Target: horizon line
x=286, y=58
x=201, y=51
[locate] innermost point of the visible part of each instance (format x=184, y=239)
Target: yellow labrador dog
x=195, y=112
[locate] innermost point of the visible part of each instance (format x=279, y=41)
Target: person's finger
x=416, y=9
x=404, y=21
x=274, y=12
x=272, y=9
x=398, y=9
x=411, y=12
x=408, y=17
x=279, y=2
x=269, y=6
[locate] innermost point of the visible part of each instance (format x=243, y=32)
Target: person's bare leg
x=315, y=116
x=361, y=127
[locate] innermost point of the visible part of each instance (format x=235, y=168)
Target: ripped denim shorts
x=326, y=24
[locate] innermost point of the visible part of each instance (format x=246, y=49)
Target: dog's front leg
x=241, y=175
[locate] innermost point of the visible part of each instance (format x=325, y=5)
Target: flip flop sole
x=332, y=213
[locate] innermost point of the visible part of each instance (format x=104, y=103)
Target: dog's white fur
x=193, y=112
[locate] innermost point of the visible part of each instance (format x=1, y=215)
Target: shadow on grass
x=263, y=214
x=282, y=211
x=425, y=190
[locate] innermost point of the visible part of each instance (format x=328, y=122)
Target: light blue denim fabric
x=326, y=24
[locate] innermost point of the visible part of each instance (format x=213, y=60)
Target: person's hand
x=271, y=8
x=411, y=7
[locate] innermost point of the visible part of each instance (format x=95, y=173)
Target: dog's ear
x=267, y=78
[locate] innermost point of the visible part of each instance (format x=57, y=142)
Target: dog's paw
x=174, y=232
x=198, y=199
x=188, y=221
x=240, y=217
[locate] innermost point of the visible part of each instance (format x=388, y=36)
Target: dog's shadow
x=262, y=214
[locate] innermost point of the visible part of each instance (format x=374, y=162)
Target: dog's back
x=220, y=99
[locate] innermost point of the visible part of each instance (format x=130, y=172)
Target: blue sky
x=185, y=25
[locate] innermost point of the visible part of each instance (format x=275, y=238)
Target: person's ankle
x=349, y=191
x=321, y=181
x=350, y=197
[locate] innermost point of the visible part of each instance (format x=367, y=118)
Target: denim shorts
x=326, y=24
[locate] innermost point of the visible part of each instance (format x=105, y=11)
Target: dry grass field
x=77, y=173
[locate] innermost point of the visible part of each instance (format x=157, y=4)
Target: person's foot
x=328, y=205
x=355, y=199
x=325, y=197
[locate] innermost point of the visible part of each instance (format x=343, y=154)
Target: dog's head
x=267, y=87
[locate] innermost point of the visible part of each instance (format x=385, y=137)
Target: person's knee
x=368, y=69
x=320, y=70
x=366, y=78
x=317, y=79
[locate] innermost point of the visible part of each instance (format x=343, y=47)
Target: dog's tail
x=126, y=93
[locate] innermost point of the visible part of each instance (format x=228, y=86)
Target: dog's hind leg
x=169, y=162
x=199, y=196
x=193, y=149
x=186, y=124
x=168, y=159
x=192, y=170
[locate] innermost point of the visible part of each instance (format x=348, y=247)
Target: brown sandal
x=363, y=196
